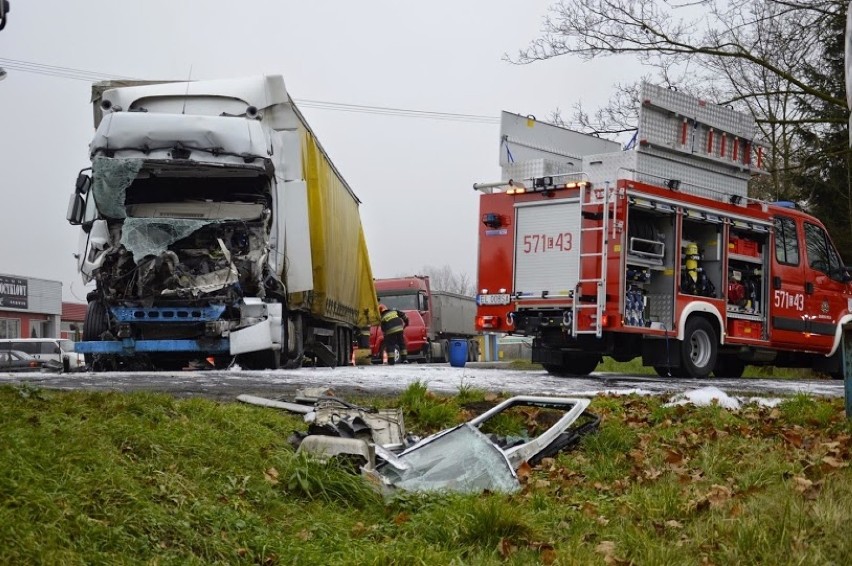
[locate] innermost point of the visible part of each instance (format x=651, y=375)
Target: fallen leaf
x=490, y=397
x=606, y=547
x=652, y=474
x=673, y=457
x=505, y=548
x=547, y=555
x=672, y=524
x=602, y=521
x=305, y=534
x=271, y=475
x=802, y=484
x=718, y=495
x=834, y=462
x=401, y=518
x=524, y=471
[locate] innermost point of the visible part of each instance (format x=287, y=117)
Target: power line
x=92, y=76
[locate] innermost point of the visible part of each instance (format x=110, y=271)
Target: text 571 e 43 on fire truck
x=655, y=251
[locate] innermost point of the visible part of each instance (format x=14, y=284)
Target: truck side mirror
x=83, y=180
x=76, y=207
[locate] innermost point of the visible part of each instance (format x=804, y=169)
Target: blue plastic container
x=458, y=353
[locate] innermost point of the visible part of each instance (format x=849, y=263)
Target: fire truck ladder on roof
x=594, y=208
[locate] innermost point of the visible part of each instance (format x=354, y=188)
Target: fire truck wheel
x=427, y=353
x=578, y=366
x=698, y=349
x=728, y=366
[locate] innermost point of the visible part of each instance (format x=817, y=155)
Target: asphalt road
x=381, y=380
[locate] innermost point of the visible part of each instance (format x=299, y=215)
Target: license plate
x=503, y=299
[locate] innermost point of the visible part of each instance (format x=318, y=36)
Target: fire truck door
x=787, y=285
x=825, y=300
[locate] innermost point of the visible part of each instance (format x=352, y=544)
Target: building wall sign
x=13, y=292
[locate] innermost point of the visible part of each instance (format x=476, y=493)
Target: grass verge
x=145, y=478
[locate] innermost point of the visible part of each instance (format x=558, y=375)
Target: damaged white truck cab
x=215, y=225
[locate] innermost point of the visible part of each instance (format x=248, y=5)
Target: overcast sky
x=413, y=175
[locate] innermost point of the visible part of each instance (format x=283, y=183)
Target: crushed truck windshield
x=183, y=232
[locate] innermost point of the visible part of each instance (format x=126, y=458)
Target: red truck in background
x=435, y=318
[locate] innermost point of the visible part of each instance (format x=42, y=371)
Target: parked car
x=15, y=360
x=47, y=349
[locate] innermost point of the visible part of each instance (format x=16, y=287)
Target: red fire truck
x=655, y=251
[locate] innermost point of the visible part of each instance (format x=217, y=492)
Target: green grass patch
x=111, y=478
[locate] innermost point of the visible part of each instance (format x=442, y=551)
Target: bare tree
x=445, y=279
x=756, y=55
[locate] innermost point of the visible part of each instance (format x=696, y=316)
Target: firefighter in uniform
x=393, y=324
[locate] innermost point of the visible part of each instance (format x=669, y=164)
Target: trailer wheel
x=699, y=347
x=578, y=366
x=729, y=366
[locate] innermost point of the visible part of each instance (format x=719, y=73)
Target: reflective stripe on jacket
x=392, y=322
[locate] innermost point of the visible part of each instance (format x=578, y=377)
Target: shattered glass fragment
x=152, y=236
x=461, y=460
x=110, y=179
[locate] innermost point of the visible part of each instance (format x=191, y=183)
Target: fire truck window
x=786, y=241
x=821, y=254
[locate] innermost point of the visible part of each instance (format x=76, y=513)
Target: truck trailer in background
x=435, y=318
x=215, y=225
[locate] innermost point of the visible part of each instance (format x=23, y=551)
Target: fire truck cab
x=655, y=251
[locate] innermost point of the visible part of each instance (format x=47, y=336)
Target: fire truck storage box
x=741, y=246
x=709, y=180
x=739, y=328
x=660, y=106
x=530, y=148
x=538, y=168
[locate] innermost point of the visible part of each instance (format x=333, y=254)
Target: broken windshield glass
x=461, y=460
x=152, y=236
x=110, y=179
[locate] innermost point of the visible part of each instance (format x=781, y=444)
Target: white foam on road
x=440, y=378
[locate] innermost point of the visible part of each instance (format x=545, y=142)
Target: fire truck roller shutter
x=547, y=248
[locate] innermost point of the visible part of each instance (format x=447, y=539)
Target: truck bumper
x=129, y=346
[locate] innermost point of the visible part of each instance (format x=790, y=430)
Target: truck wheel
x=578, y=366
x=729, y=366
x=95, y=324
x=394, y=356
x=427, y=353
x=698, y=349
